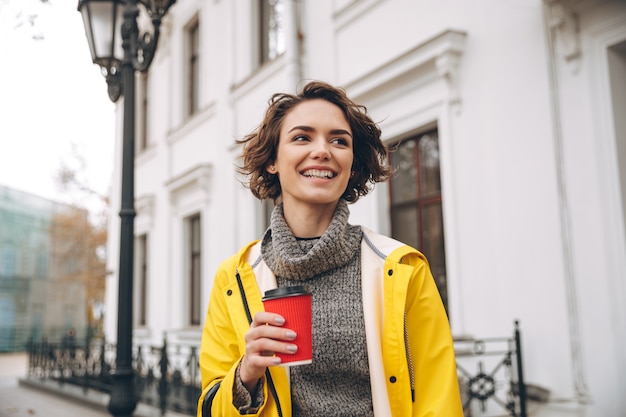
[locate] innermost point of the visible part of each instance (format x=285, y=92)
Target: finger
x=255, y=362
x=263, y=318
x=269, y=332
x=260, y=362
x=267, y=347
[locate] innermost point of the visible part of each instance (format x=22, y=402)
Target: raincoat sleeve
x=431, y=347
x=223, y=346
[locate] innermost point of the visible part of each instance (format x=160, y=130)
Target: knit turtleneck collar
x=286, y=257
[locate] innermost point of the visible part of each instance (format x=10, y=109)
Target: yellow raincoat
x=410, y=349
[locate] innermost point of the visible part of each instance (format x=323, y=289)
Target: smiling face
x=314, y=157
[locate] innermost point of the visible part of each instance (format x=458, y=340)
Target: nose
x=321, y=150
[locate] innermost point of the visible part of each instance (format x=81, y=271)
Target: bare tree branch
x=25, y=15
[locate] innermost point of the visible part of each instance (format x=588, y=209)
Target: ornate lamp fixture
x=107, y=22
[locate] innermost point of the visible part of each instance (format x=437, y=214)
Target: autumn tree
x=78, y=256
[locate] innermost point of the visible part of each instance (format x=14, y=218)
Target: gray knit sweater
x=337, y=383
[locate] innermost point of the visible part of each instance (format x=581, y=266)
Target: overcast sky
x=52, y=99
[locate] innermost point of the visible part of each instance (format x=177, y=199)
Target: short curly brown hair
x=261, y=146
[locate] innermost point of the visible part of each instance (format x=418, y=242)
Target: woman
x=381, y=339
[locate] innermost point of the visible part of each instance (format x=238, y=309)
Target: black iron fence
x=491, y=375
x=166, y=377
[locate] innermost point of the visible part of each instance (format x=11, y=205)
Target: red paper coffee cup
x=294, y=304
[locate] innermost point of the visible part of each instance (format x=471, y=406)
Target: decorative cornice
x=448, y=68
x=197, y=177
x=564, y=26
x=441, y=52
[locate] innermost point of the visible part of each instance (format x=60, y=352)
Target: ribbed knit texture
x=337, y=383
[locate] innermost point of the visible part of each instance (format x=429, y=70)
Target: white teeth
x=316, y=173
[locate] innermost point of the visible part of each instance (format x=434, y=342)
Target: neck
x=308, y=221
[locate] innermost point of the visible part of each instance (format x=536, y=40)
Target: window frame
x=193, y=224
x=192, y=68
x=265, y=51
x=421, y=202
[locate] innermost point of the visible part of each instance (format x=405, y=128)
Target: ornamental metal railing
x=491, y=375
x=166, y=376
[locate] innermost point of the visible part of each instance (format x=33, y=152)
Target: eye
x=300, y=138
x=341, y=141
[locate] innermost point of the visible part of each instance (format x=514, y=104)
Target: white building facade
x=510, y=122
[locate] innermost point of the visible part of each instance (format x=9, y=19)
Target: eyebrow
x=310, y=129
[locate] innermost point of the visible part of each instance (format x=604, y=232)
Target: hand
x=265, y=337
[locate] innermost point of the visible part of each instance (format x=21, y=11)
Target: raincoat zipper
x=268, y=375
x=409, y=360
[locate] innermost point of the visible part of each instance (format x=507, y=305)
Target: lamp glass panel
x=102, y=28
x=106, y=24
x=85, y=13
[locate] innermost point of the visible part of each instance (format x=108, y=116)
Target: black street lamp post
x=107, y=23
